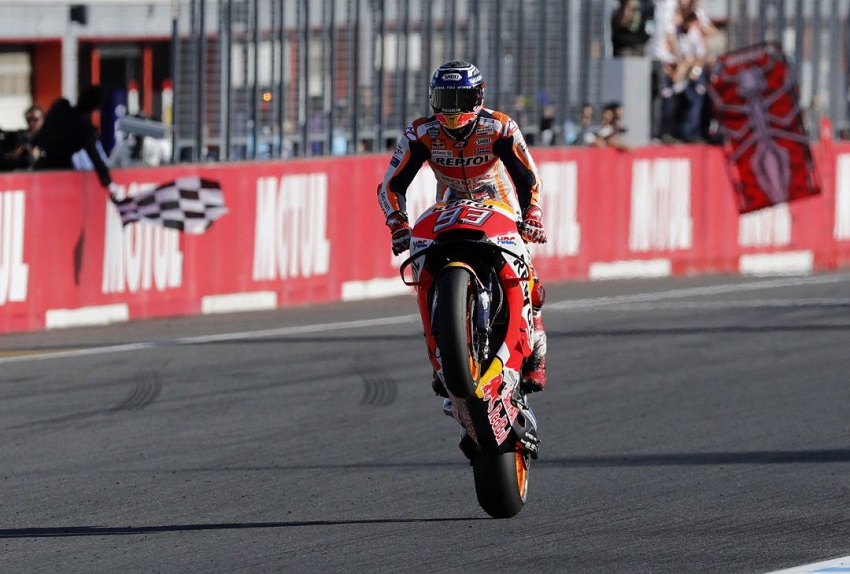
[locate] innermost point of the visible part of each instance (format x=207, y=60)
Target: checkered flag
x=189, y=204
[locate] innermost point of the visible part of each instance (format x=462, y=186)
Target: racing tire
x=501, y=482
x=455, y=315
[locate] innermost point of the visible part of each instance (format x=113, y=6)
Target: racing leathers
x=492, y=161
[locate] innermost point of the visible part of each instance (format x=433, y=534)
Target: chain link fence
x=259, y=79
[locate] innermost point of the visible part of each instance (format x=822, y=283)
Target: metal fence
x=293, y=78
x=815, y=34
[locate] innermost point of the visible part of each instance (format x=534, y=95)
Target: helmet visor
x=455, y=100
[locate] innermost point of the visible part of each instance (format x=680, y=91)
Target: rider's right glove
x=400, y=229
x=531, y=229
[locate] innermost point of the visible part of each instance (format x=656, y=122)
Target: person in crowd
x=611, y=129
x=706, y=26
x=690, y=79
x=6, y=147
x=547, y=123
x=663, y=50
x=585, y=135
x=520, y=112
x=631, y=27
x=317, y=127
x=21, y=152
x=708, y=125
x=67, y=130
x=462, y=127
x=16, y=148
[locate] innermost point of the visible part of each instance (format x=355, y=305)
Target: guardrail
x=310, y=231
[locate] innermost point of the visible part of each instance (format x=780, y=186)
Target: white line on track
x=281, y=332
x=696, y=305
x=837, y=565
x=696, y=292
x=616, y=302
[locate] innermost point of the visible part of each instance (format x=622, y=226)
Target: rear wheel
x=455, y=316
x=501, y=482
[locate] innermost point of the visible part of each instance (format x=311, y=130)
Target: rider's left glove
x=531, y=229
x=400, y=229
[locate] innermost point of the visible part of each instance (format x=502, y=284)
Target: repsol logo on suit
x=461, y=161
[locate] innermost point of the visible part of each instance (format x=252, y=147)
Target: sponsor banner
x=14, y=273
x=303, y=232
x=841, y=225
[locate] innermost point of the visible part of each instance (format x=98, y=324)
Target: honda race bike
x=473, y=280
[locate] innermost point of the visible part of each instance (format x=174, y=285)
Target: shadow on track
x=611, y=460
x=78, y=531
x=746, y=329
x=697, y=458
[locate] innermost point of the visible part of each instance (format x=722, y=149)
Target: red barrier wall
x=309, y=231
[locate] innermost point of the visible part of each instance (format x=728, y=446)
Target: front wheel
x=455, y=319
x=501, y=482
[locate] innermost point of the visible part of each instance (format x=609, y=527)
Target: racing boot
x=438, y=387
x=440, y=390
x=534, y=369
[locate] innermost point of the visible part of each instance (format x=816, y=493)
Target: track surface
x=691, y=425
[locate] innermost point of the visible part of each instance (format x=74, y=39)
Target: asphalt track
x=690, y=425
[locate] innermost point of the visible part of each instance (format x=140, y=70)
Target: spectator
x=68, y=130
x=21, y=151
x=708, y=125
x=520, y=113
x=317, y=127
x=586, y=133
x=7, y=146
x=547, y=122
x=664, y=52
x=706, y=26
x=611, y=130
x=689, y=81
x=631, y=25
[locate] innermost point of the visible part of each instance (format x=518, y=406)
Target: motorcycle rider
x=472, y=151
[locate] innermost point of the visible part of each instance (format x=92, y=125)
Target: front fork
x=480, y=337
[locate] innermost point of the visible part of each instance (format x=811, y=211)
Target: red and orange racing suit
x=474, y=168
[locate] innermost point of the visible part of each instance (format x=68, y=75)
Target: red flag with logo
x=756, y=102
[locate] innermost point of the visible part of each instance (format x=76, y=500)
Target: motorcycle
x=473, y=281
